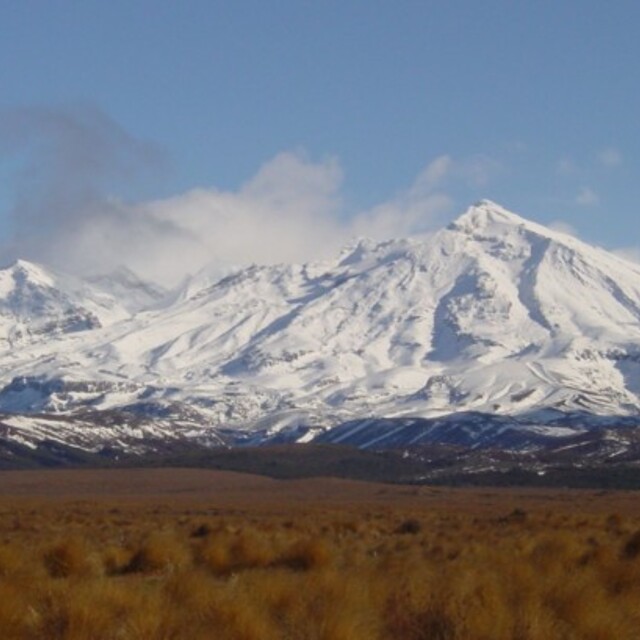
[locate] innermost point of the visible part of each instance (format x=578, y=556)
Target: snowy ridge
x=492, y=316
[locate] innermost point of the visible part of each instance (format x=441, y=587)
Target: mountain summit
x=493, y=315
x=485, y=213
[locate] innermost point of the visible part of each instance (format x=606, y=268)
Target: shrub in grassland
x=202, y=530
x=115, y=559
x=215, y=555
x=557, y=552
x=71, y=557
x=227, y=552
x=160, y=552
x=614, y=523
x=620, y=576
x=631, y=548
x=250, y=549
x=307, y=554
x=409, y=526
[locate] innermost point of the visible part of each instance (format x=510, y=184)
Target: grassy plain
x=195, y=554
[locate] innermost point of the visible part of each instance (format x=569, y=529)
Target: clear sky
x=313, y=119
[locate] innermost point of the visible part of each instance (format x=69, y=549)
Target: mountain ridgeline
x=494, y=332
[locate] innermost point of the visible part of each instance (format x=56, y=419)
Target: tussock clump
x=517, y=515
x=215, y=555
x=202, y=531
x=228, y=552
x=614, y=523
x=631, y=547
x=306, y=555
x=250, y=550
x=161, y=552
x=430, y=623
x=411, y=526
x=554, y=553
x=116, y=560
x=71, y=557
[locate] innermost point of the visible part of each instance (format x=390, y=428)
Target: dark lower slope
x=435, y=464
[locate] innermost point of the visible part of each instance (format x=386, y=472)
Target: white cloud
x=563, y=227
x=433, y=175
x=610, y=157
x=290, y=211
x=587, y=197
x=412, y=211
x=401, y=217
x=628, y=253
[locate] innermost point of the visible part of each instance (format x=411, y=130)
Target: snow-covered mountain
x=492, y=328
x=37, y=305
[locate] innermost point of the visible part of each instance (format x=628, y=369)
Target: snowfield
x=492, y=316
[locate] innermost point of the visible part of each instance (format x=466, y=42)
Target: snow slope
x=494, y=315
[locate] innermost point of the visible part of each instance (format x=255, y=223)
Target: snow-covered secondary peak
x=493, y=314
x=37, y=304
x=22, y=273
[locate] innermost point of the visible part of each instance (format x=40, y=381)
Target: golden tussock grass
x=381, y=570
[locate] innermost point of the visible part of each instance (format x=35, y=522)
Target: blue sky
x=363, y=114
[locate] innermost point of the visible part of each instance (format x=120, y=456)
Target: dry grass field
x=195, y=554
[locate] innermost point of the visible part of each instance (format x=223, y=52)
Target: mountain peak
x=21, y=271
x=486, y=213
